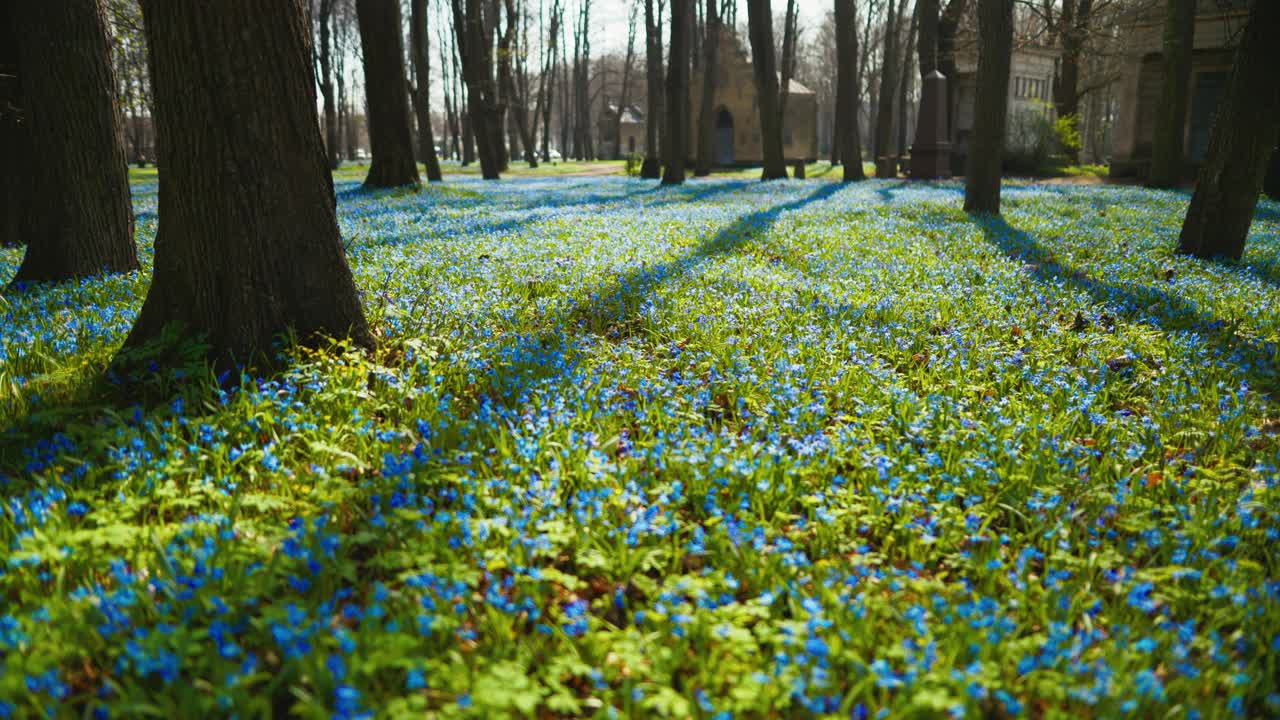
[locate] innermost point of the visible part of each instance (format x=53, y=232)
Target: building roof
x=631, y=114
x=796, y=87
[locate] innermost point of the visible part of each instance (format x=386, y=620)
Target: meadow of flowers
x=730, y=449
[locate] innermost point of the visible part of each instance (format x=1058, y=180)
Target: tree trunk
x=624, y=98
x=79, y=216
x=326, y=84
x=14, y=139
x=652, y=166
x=764, y=67
x=421, y=94
x=390, y=142
x=677, y=94
x=706, y=108
x=1244, y=136
x=991, y=100
x=248, y=247
x=1167, y=158
x=904, y=84
x=789, y=30
x=887, y=96
x=519, y=108
x=847, y=96
x=475, y=49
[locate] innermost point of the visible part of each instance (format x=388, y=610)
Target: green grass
x=777, y=450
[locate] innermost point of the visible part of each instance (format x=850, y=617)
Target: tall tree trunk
x=1167, y=158
x=390, y=142
x=584, y=85
x=847, y=95
x=518, y=108
x=791, y=20
x=677, y=94
x=421, y=52
x=991, y=100
x=651, y=168
x=498, y=120
x=888, y=81
x=1244, y=136
x=14, y=138
x=760, y=30
x=248, y=247
x=79, y=217
x=324, y=17
x=624, y=99
x=706, y=108
x=905, y=83
x=475, y=47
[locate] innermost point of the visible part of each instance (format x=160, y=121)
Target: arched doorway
x=724, y=137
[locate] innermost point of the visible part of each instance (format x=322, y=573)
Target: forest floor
x=722, y=449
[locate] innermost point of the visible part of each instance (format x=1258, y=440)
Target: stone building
x=1218, y=26
x=1031, y=78
x=737, y=112
x=632, y=130
x=737, y=115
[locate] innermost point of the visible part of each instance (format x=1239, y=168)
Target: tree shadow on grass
x=1147, y=304
x=614, y=309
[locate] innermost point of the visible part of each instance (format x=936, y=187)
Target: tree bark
x=518, y=107
x=475, y=48
x=624, y=99
x=421, y=94
x=14, y=138
x=1167, y=159
x=888, y=82
x=1244, y=136
x=905, y=82
x=390, y=142
x=78, y=219
x=790, y=20
x=677, y=94
x=706, y=107
x=248, y=247
x=991, y=100
x=652, y=166
x=764, y=67
x=323, y=17
x=847, y=95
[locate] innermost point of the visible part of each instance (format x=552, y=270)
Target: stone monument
x=931, y=150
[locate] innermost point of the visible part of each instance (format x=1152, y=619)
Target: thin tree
x=547, y=82
x=324, y=18
x=888, y=80
x=790, y=41
x=677, y=94
x=847, y=94
x=248, y=247
x=1240, y=146
x=390, y=142
x=706, y=105
x=518, y=105
x=420, y=50
x=77, y=216
x=624, y=98
x=1166, y=148
x=906, y=81
x=651, y=168
x=986, y=145
x=475, y=48
x=764, y=67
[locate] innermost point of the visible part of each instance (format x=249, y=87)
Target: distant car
x=362, y=154
x=554, y=155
